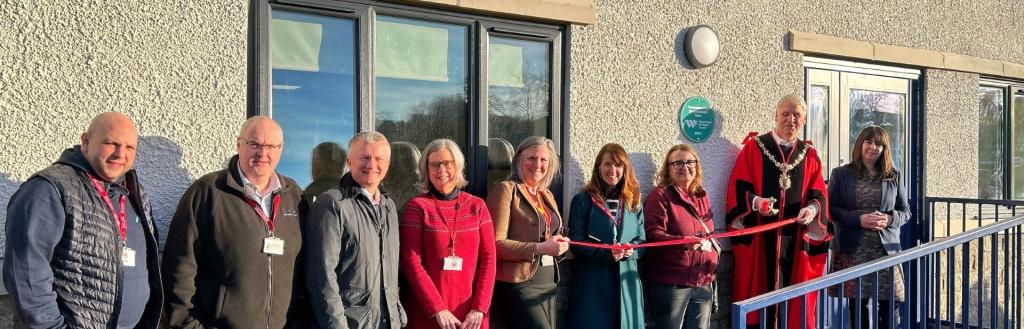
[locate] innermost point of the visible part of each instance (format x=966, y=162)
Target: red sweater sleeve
x=486, y=264
x=411, y=258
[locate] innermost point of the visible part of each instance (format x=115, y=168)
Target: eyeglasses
x=255, y=146
x=680, y=163
x=439, y=164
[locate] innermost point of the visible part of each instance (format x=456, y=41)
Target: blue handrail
x=741, y=308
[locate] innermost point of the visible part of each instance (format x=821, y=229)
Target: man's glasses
x=437, y=165
x=679, y=164
x=255, y=146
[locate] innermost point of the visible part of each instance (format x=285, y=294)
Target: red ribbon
x=690, y=239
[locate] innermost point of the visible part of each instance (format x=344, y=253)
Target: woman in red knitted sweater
x=447, y=251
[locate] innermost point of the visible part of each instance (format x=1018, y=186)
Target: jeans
x=681, y=307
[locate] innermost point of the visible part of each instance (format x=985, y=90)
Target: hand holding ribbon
x=690, y=239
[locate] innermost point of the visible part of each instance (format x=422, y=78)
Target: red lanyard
x=263, y=215
x=535, y=201
x=120, y=217
x=451, y=228
x=600, y=205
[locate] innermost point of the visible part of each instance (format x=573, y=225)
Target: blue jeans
x=680, y=307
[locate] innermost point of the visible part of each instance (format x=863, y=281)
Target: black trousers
x=528, y=304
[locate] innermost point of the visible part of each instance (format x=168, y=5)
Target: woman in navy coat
x=607, y=291
x=868, y=204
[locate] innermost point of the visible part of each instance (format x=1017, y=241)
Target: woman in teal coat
x=607, y=291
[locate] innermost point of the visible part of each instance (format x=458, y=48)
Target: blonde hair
x=516, y=174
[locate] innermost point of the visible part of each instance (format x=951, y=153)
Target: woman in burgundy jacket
x=679, y=278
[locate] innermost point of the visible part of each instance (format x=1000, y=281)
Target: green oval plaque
x=697, y=119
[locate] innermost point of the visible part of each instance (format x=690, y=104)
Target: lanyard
x=120, y=217
x=451, y=228
x=600, y=205
x=535, y=201
x=263, y=215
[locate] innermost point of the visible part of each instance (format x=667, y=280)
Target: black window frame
x=480, y=28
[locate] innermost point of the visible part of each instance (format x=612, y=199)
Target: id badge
x=273, y=246
x=705, y=245
x=547, y=260
x=453, y=263
x=127, y=257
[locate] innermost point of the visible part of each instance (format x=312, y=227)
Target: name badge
x=705, y=245
x=127, y=257
x=273, y=246
x=547, y=260
x=453, y=263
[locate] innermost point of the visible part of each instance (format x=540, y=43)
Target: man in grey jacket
x=81, y=245
x=351, y=245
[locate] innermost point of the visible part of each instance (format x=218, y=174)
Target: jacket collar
x=350, y=188
x=74, y=158
x=234, y=179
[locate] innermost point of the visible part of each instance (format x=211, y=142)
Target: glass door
x=843, y=100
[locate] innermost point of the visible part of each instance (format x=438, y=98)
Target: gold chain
x=784, y=181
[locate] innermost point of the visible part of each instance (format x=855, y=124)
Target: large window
x=313, y=61
x=328, y=69
x=1000, y=140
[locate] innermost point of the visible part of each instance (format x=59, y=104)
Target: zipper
x=270, y=271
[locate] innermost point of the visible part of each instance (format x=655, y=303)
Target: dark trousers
x=881, y=315
x=680, y=307
x=528, y=304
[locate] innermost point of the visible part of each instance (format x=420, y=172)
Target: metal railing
x=984, y=291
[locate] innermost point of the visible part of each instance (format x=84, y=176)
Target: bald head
x=109, y=145
x=259, y=149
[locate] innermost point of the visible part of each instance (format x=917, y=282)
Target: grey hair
x=368, y=137
x=251, y=120
x=516, y=174
x=792, y=99
x=460, y=163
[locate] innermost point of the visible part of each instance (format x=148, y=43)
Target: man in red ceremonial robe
x=777, y=177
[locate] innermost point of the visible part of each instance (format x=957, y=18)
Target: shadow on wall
x=645, y=169
x=680, y=49
x=158, y=164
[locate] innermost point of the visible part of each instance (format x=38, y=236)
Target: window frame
x=1010, y=89
x=479, y=28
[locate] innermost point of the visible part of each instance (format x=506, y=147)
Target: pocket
x=354, y=298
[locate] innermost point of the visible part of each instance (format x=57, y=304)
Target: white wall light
x=701, y=46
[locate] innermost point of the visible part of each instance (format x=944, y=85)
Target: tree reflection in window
x=885, y=109
x=519, y=98
x=421, y=93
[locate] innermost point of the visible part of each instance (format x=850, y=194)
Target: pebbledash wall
x=179, y=69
